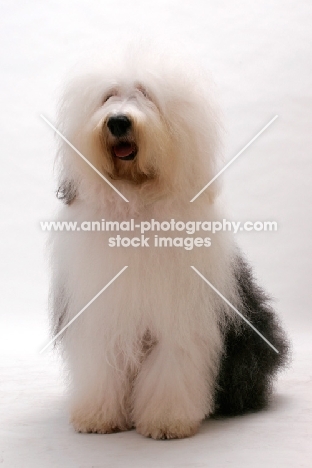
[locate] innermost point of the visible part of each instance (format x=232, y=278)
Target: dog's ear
x=66, y=192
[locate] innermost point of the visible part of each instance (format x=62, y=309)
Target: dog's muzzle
x=120, y=127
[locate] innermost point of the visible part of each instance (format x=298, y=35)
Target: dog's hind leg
x=249, y=364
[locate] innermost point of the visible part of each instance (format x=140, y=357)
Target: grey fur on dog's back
x=249, y=363
x=66, y=192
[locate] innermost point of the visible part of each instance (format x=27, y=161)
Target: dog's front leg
x=99, y=395
x=174, y=389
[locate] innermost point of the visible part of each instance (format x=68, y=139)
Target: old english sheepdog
x=159, y=350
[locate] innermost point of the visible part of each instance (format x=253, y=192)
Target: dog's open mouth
x=125, y=151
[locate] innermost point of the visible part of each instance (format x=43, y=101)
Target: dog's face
x=133, y=134
x=150, y=127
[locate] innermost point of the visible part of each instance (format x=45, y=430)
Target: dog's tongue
x=123, y=150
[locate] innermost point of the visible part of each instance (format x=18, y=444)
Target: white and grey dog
x=158, y=350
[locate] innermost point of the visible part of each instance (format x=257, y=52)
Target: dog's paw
x=97, y=425
x=170, y=430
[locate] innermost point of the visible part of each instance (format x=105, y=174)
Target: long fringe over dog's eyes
x=143, y=91
x=109, y=95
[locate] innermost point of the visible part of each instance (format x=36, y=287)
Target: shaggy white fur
x=147, y=352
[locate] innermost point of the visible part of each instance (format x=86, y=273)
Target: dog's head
x=133, y=136
x=149, y=125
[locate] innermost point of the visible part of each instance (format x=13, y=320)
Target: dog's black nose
x=119, y=125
